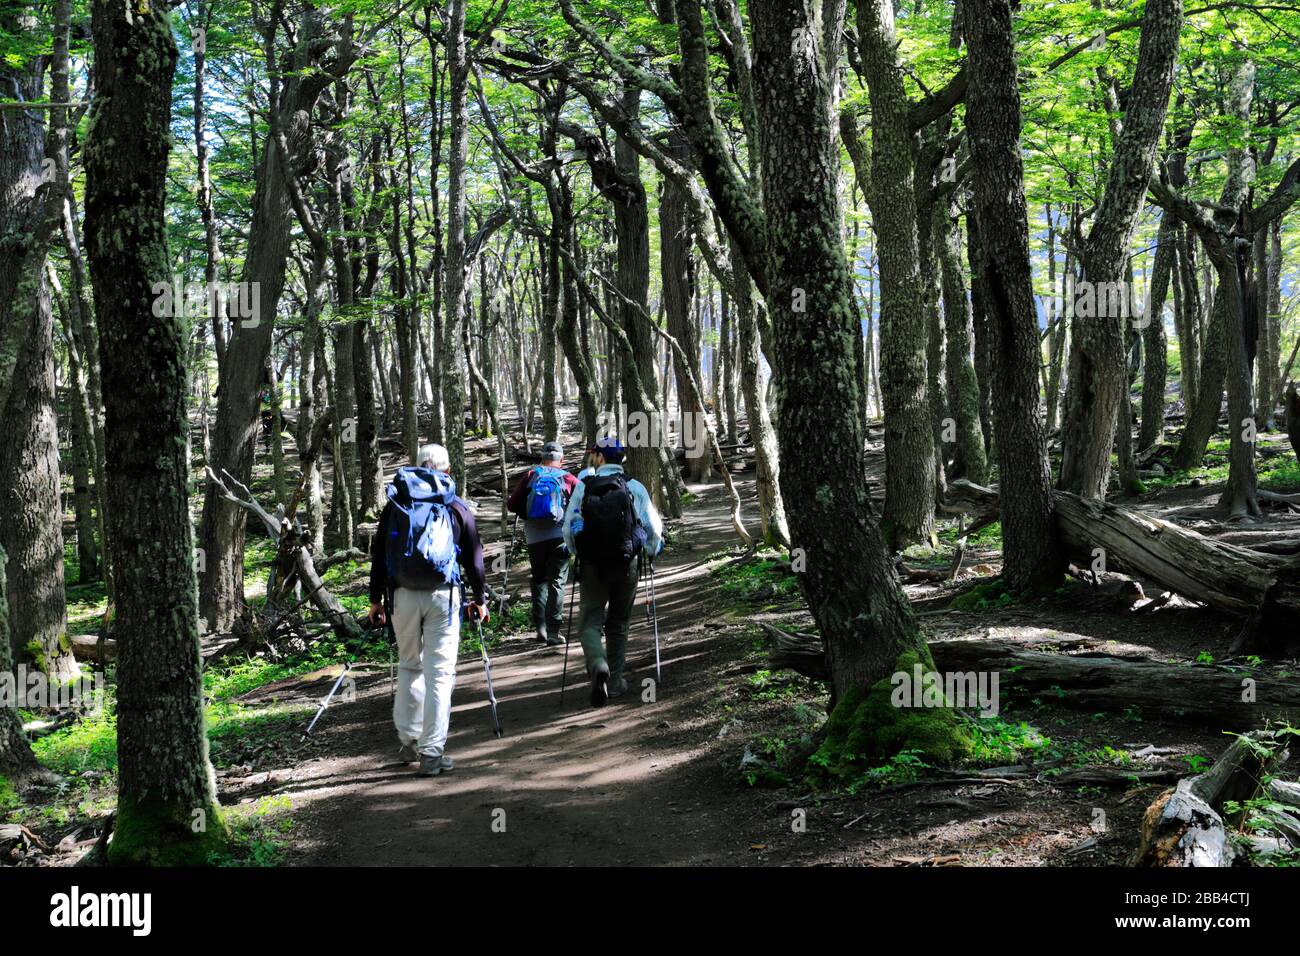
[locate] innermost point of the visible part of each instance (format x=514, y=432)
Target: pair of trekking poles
x=392, y=637
x=652, y=615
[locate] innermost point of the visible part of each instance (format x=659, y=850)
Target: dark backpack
x=421, y=551
x=611, y=534
x=547, y=496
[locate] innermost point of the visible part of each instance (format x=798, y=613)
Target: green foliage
x=983, y=597
x=1195, y=762
x=763, y=578
x=9, y=799
x=259, y=833
x=990, y=536
x=997, y=741
x=90, y=744
x=766, y=685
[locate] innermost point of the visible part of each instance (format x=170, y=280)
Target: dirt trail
x=625, y=784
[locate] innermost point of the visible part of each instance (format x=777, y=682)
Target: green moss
x=36, y=653
x=157, y=832
x=865, y=730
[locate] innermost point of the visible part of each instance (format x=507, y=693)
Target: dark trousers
x=607, y=597
x=548, y=565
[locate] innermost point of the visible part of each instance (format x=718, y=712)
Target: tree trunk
x=371, y=499
x=1203, y=416
x=1031, y=555
x=453, y=389
x=234, y=439
x=166, y=809
x=1189, y=333
x=909, y=437
x=1154, y=360
x=85, y=498
x=963, y=386
x=1096, y=382
x=677, y=273
x=767, y=462
x=850, y=582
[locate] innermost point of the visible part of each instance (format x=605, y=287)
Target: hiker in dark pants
x=540, y=498
x=426, y=537
x=610, y=523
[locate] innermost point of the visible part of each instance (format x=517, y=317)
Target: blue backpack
x=547, y=498
x=421, y=551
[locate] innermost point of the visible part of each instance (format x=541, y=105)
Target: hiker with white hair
x=540, y=498
x=426, y=538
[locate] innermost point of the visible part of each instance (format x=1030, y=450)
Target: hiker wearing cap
x=426, y=537
x=610, y=523
x=540, y=498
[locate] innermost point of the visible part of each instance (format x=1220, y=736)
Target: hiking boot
x=408, y=754
x=553, y=640
x=600, y=685
x=617, y=687
x=433, y=766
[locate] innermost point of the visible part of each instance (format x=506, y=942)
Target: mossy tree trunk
x=453, y=386
x=1032, y=555
x=852, y=589
x=904, y=334
x=17, y=762
x=1097, y=368
x=167, y=811
x=767, y=460
x=30, y=210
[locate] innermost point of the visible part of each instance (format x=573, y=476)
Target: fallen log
x=89, y=647
x=803, y=653
x=1186, y=826
x=1208, y=696
x=1228, y=577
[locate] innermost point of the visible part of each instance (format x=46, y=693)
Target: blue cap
x=610, y=447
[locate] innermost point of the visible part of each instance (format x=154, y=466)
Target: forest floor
x=703, y=772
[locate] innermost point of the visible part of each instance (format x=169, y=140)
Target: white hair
x=435, y=457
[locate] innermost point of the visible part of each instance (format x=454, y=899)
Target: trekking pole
x=654, y=613
x=333, y=690
x=640, y=581
x=392, y=658
x=487, y=670
x=392, y=644
x=505, y=576
x=564, y=674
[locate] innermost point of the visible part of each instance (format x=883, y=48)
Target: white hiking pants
x=428, y=637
